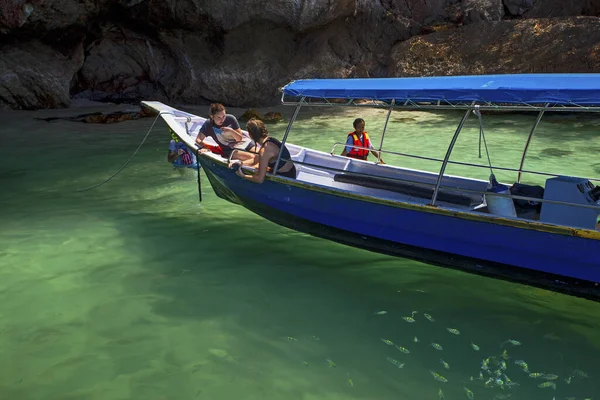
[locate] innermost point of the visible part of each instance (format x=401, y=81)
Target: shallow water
x=134, y=290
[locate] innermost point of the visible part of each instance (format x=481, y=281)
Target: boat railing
x=432, y=185
x=451, y=162
x=345, y=171
x=448, y=187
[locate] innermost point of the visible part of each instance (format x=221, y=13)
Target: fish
x=438, y=377
x=551, y=336
x=395, y=362
x=291, y=339
x=508, y=381
x=415, y=339
x=305, y=363
x=505, y=354
x=568, y=380
x=437, y=346
x=350, y=382
x=550, y=377
x=388, y=342
x=511, y=341
x=474, y=346
x=453, y=331
x=547, y=385
x=484, y=363
x=469, y=393
x=402, y=349
x=429, y=317
x=331, y=363
x=503, y=365
x=313, y=337
x=580, y=373
x=440, y=394
x=382, y=312
x=409, y=319
x=412, y=314
x=523, y=365
x=536, y=375
x=445, y=364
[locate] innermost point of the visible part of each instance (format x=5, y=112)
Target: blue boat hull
x=548, y=259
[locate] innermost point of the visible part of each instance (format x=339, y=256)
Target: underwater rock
x=270, y=116
x=103, y=118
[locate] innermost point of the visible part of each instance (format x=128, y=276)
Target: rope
x=130, y=158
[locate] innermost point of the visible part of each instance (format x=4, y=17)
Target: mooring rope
x=130, y=158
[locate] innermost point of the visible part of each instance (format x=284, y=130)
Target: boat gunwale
x=487, y=218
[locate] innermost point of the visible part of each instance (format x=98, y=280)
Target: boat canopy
x=529, y=89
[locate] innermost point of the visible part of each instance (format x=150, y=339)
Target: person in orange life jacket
x=267, y=155
x=359, y=138
x=225, y=130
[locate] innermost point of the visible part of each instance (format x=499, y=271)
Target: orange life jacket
x=361, y=154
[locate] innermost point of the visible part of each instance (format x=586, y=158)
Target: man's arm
x=173, y=153
x=348, y=146
x=376, y=154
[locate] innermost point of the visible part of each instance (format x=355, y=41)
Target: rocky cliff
x=240, y=52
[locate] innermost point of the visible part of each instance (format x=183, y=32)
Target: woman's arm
x=200, y=138
x=265, y=155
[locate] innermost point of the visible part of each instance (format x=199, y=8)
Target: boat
x=542, y=235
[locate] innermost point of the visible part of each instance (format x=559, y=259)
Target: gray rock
x=560, y=8
x=518, y=7
x=35, y=76
x=482, y=10
x=228, y=15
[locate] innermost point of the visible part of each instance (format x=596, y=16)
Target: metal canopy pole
x=384, y=128
x=447, y=157
x=287, y=132
x=537, y=121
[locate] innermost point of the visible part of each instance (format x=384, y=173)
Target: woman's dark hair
x=215, y=108
x=358, y=121
x=256, y=129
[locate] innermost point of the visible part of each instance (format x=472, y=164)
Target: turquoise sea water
x=134, y=290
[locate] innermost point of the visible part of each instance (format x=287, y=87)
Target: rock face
x=524, y=46
x=240, y=52
x=35, y=75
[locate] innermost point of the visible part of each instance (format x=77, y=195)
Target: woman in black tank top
x=268, y=154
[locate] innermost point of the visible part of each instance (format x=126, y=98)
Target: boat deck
x=387, y=182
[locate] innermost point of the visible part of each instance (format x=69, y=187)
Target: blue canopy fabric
x=568, y=89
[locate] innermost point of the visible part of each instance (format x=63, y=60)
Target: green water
x=134, y=290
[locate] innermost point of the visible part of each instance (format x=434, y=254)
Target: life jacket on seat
x=360, y=154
